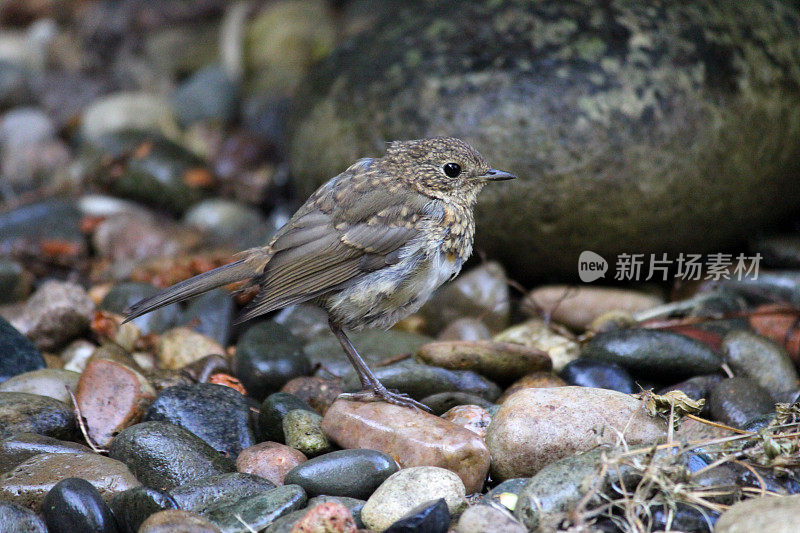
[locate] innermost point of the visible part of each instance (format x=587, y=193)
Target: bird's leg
x=373, y=389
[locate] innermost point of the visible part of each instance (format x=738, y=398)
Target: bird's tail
x=231, y=273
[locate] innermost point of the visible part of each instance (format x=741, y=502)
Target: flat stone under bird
x=369, y=246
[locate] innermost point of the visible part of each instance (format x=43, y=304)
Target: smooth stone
x=208, y=94
x=760, y=359
x=374, y=346
x=685, y=517
x=29, y=482
x=303, y=432
x=267, y=356
x=73, y=504
x=697, y=387
x=655, y=354
x=272, y=412
x=465, y=329
x=577, y=307
x=19, y=355
x=179, y=347
x=163, y=455
x=505, y=493
x=14, y=85
x=131, y=237
x=326, y=517
x=734, y=401
x=128, y=111
x=409, y=488
x=499, y=361
x=286, y=523
x=306, y=321
x=50, y=382
x=133, y=506
x=441, y=402
x=410, y=436
x=22, y=446
x=217, y=414
x=111, y=397
x=259, y=511
x=212, y=492
x=776, y=515
x=25, y=126
x=44, y=227
x=428, y=517
x=125, y=294
x=354, y=505
x=588, y=373
x=229, y=223
x=352, y=473
x=15, y=281
x=481, y=292
x=55, y=314
x=76, y=355
x=270, y=460
x=419, y=380
x=177, y=521
x=212, y=315
x=17, y=519
x=524, y=435
x=21, y=412
x=537, y=380
x=485, y=518
x=471, y=417
x=319, y=393
x=535, y=333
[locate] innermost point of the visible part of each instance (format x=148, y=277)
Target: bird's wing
x=329, y=244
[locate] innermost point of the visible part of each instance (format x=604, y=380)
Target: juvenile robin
x=369, y=246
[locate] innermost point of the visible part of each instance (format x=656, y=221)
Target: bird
x=370, y=246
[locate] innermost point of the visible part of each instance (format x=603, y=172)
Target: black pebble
x=586, y=373
x=426, y=518
x=73, y=504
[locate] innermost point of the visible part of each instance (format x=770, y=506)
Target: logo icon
x=591, y=266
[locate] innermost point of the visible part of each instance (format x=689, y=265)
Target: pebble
x=179, y=347
x=506, y=493
x=29, y=482
x=776, y=515
x=465, y=329
x=303, y=432
x=22, y=446
x=133, y=506
x=429, y=517
x=272, y=412
x=229, y=223
x=652, y=353
x=213, y=492
x=15, y=281
x=25, y=127
x=588, y=373
x=737, y=400
x=128, y=111
x=163, y=455
x=306, y=321
x=73, y=504
x=684, y=517
x=319, y=393
x=17, y=519
x=50, y=227
x=286, y=523
x=471, y=417
x=409, y=488
x=177, y=521
x=760, y=359
x=419, y=380
x=111, y=396
x=776, y=322
x=21, y=412
x=535, y=333
x=270, y=460
x=535, y=427
x=51, y=382
x=441, y=402
x=207, y=95
x=123, y=295
x=485, y=518
x=697, y=387
x=267, y=357
x=212, y=315
x=577, y=307
x=330, y=517
x=499, y=361
x=259, y=511
x=217, y=414
x=537, y=380
x=412, y=437
x=76, y=355
x=55, y=314
x=353, y=473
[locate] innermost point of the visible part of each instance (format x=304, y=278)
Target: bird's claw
x=377, y=394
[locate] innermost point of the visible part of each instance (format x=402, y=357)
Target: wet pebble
x=776, y=515
x=441, y=402
x=212, y=315
x=111, y=396
x=431, y=517
x=409, y=488
x=410, y=436
x=656, y=354
x=588, y=373
x=483, y=518
x=179, y=347
x=353, y=473
x=267, y=357
x=272, y=412
x=133, y=506
x=259, y=511
x=471, y=417
x=306, y=321
x=537, y=380
x=15, y=281
x=52, y=382
x=22, y=446
x=219, y=415
x=123, y=295
x=50, y=227
x=73, y=504
x=128, y=111
x=735, y=401
x=212, y=492
x=207, y=95
x=229, y=223
x=177, y=521
x=270, y=460
x=535, y=333
x=760, y=359
x=55, y=314
x=21, y=412
x=525, y=435
x=319, y=393
x=329, y=517
x=18, y=519
x=163, y=455
x=303, y=432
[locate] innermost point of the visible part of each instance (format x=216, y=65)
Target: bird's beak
x=498, y=175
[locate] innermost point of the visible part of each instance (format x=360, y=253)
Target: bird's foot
x=378, y=394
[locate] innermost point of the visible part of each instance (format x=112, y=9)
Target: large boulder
x=631, y=126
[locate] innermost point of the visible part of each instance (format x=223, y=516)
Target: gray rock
x=17, y=519
x=776, y=515
x=484, y=518
x=14, y=87
x=123, y=295
x=18, y=354
x=735, y=401
x=211, y=314
x=505, y=493
x=22, y=446
x=209, y=493
x=15, y=281
x=441, y=402
x=21, y=412
x=228, y=223
x=25, y=126
x=128, y=111
x=49, y=220
x=586, y=104
x=209, y=94
x=51, y=382
x=257, y=512
x=761, y=360
x=133, y=506
x=272, y=412
x=55, y=314
x=303, y=431
x=351, y=473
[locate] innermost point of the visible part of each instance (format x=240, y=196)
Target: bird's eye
x=452, y=170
